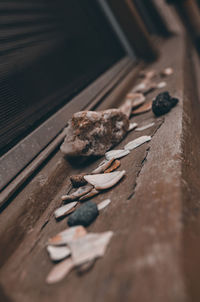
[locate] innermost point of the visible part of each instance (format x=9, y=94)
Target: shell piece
x=92, y=193
x=105, y=181
x=68, y=235
x=113, y=167
x=116, y=154
x=78, y=180
x=132, y=126
x=126, y=108
x=148, y=74
x=145, y=87
x=78, y=193
x=90, y=247
x=103, y=166
x=167, y=71
x=58, y=253
x=103, y=204
x=140, y=87
x=59, y=271
x=145, y=108
x=137, y=142
x=145, y=127
x=84, y=215
x=137, y=99
x=161, y=85
x=64, y=210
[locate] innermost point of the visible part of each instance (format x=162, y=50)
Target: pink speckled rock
x=93, y=133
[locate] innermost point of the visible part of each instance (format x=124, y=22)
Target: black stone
x=84, y=215
x=163, y=103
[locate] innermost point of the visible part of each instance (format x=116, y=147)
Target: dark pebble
x=163, y=103
x=84, y=215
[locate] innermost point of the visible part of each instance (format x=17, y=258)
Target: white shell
x=68, y=235
x=104, y=181
x=126, y=108
x=92, y=193
x=103, y=204
x=62, y=211
x=145, y=127
x=78, y=193
x=167, y=71
x=89, y=247
x=59, y=271
x=103, y=166
x=140, y=87
x=132, y=126
x=116, y=154
x=161, y=85
x=58, y=253
x=137, y=142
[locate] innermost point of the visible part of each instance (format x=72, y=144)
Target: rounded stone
x=84, y=215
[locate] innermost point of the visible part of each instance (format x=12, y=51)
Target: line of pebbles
x=75, y=247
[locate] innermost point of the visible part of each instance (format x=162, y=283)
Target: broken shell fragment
x=84, y=215
x=92, y=193
x=103, y=204
x=132, y=126
x=140, y=87
x=90, y=247
x=113, y=167
x=167, y=71
x=145, y=108
x=92, y=133
x=59, y=271
x=78, y=180
x=58, y=253
x=148, y=74
x=103, y=166
x=137, y=99
x=145, y=127
x=116, y=154
x=137, y=142
x=105, y=181
x=126, y=108
x=68, y=235
x=161, y=85
x=78, y=193
x=66, y=209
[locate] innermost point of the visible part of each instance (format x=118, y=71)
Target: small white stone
x=58, y=253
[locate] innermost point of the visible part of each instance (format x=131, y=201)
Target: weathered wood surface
x=154, y=213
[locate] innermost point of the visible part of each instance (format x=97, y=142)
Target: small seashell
x=78, y=180
x=148, y=74
x=78, y=193
x=103, y=166
x=140, y=87
x=113, y=167
x=161, y=85
x=92, y=193
x=59, y=271
x=137, y=99
x=103, y=204
x=126, y=108
x=132, y=126
x=66, y=209
x=145, y=108
x=145, y=127
x=58, y=253
x=84, y=215
x=68, y=235
x=137, y=142
x=167, y=71
x=90, y=247
x=116, y=154
x=105, y=181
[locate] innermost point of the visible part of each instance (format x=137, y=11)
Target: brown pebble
x=113, y=167
x=78, y=180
